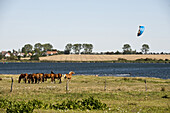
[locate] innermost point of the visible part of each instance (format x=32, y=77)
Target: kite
x=141, y=30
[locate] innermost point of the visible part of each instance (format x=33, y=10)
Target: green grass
x=123, y=94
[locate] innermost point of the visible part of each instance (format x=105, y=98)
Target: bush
x=89, y=103
x=166, y=59
x=28, y=107
x=20, y=106
x=35, y=57
x=122, y=59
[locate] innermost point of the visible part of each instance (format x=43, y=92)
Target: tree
x=1, y=56
x=35, y=57
x=47, y=46
x=14, y=51
x=117, y=52
x=126, y=49
x=12, y=57
x=38, y=46
x=145, y=48
x=87, y=48
x=19, y=57
x=77, y=48
x=68, y=48
x=90, y=48
x=27, y=48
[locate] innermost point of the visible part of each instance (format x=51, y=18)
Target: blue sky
x=107, y=24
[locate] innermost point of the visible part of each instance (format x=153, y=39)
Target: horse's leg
x=60, y=81
x=32, y=80
x=29, y=81
x=38, y=80
x=42, y=79
x=25, y=80
x=19, y=80
x=52, y=79
x=35, y=80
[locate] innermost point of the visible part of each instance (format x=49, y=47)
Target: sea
x=157, y=70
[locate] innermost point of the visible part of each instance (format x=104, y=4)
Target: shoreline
x=118, y=77
x=113, y=61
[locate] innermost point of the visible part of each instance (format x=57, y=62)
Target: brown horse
x=33, y=78
x=23, y=76
x=39, y=77
x=47, y=76
x=56, y=76
x=68, y=76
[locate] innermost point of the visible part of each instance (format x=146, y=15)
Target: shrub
x=35, y=57
x=122, y=59
x=89, y=103
x=28, y=107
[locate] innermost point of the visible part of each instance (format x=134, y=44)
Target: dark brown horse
x=47, y=76
x=53, y=77
x=23, y=76
x=33, y=78
x=56, y=76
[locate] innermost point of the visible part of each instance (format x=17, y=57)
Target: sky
x=107, y=24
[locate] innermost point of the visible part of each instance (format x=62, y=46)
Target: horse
x=56, y=76
x=68, y=76
x=46, y=76
x=23, y=76
x=33, y=78
x=51, y=75
x=39, y=77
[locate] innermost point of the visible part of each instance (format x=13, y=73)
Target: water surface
x=158, y=70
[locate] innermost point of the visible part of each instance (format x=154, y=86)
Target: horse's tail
x=59, y=75
x=19, y=80
x=65, y=76
x=20, y=77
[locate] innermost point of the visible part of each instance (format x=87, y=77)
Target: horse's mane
x=71, y=72
x=52, y=72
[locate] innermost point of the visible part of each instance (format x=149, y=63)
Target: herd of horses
x=41, y=77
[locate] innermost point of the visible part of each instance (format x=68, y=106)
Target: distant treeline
x=38, y=50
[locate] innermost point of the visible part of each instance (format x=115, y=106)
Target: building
x=48, y=53
x=7, y=55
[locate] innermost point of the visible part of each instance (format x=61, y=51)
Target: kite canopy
x=141, y=30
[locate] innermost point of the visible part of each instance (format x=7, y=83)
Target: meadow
x=120, y=94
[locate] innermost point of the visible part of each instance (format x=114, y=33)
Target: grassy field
x=123, y=94
x=101, y=57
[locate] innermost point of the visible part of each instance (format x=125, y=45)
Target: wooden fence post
x=11, y=83
x=67, y=85
x=105, y=86
x=145, y=86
